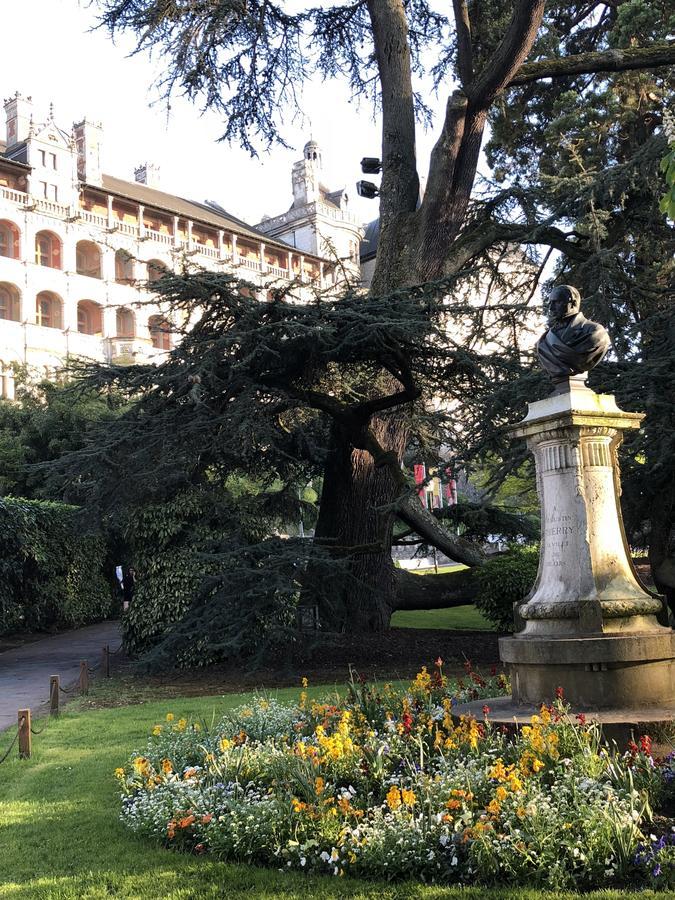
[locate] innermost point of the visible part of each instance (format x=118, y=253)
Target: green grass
x=459, y=618
x=60, y=837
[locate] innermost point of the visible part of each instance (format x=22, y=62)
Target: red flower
x=407, y=722
x=493, y=671
x=559, y=693
x=632, y=747
x=646, y=744
x=438, y=663
x=581, y=718
x=486, y=710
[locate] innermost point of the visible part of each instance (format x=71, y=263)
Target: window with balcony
x=49, y=310
x=88, y=259
x=47, y=250
x=9, y=239
x=124, y=267
x=10, y=303
x=89, y=317
x=125, y=323
x=160, y=332
x=156, y=269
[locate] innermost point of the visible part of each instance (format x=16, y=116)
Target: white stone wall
x=44, y=349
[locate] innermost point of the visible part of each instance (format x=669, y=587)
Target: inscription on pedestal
x=557, y=526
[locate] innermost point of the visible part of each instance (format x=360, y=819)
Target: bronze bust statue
x=572, y=344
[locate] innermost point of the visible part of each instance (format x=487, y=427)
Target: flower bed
x=387, y=784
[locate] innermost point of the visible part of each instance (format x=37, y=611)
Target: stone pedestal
x=588, y=626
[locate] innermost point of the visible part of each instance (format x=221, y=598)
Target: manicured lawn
x=60, y=837
x=459, y=618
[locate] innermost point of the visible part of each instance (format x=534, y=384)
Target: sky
x=49, y=52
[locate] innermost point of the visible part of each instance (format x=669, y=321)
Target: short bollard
x=24, y=733
x=105, y=661
x=54, y=695
x=84, y=676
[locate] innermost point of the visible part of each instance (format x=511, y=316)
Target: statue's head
x=564, y=300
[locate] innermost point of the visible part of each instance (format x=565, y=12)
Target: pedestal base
x=607, y=672
x=620, y=725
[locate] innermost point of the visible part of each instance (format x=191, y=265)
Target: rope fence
x=24, y=729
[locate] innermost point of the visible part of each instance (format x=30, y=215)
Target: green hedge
x=166, y=541
x=51, y=575
x=504, y=581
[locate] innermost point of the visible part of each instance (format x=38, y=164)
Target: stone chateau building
x=78, y=246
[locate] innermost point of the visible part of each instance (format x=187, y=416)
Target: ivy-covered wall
x=51, y=575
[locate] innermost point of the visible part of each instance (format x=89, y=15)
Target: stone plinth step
x=619, y=725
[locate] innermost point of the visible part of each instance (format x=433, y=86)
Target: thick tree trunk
x=356, y=522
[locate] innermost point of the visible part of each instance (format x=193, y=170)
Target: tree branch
x=434, y=591
x=400, y=185
x=411, y=511
x=601, y=61
x=464, y=48
x=510, y=54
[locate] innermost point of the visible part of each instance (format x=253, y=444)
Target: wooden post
x=54, y=695
x=24, y=733
x=84, y=676
x=105, y=661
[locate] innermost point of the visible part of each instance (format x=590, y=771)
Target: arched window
x=89, y=317
x=160, y=332
x=49, y=310
x=156, y=268
x=10, y=303
x=9, y=240
x=126, y=323
x=124, y=267
x=47, y=250
x=88, y=259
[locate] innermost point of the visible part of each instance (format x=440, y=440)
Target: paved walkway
x=25, y=671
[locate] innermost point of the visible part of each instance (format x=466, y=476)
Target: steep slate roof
x=368, y=247
x=18, y=150
x=200, y=212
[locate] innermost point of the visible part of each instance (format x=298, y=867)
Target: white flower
x=325, y=856
x=454, y=861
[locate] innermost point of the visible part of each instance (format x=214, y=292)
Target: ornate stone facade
x=78, y=247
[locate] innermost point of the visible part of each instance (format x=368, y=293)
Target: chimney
x=147, y=173
x=19, y=112
x=89, y=143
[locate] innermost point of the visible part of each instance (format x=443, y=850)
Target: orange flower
x=206, y=818
x=186, y=822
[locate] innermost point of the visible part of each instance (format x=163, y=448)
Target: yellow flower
x=166, y=766
x=319, y=785
x=520, y=812
x=498, y=771
x=157, y=730
x=305, y=683
x=169, y=717
x=197, y=727
x=501, y=793
x=493, y=807
x=119, y=773
x=393, y=798
x=408, y=797
x=182, y=725
x=225, y=744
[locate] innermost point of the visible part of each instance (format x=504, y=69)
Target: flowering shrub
x=389, y=784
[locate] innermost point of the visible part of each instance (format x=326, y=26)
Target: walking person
x=128, y=587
